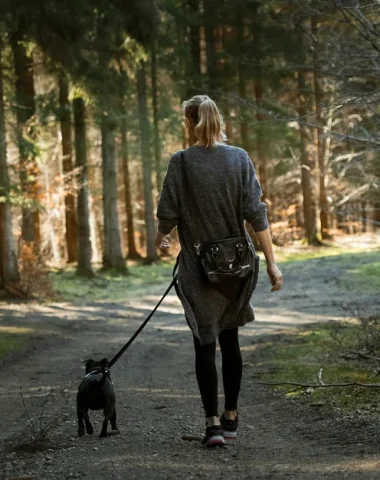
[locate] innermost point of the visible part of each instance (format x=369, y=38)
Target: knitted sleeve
x=168, y=212
x=255, y=211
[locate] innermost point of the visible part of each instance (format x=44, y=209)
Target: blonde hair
x=205, y=115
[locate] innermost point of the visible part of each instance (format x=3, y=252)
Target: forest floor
x=157, y=399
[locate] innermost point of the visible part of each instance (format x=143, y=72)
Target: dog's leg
x=103, y=433
x=108, y=413
x=113, y=420
x=80, y=413
x=89, y=428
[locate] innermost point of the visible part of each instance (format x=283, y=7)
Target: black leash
x=141, y=327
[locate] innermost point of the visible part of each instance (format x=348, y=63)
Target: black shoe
x=230, y=427
x=213, y=437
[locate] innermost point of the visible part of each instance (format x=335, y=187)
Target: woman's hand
x=162, y=241
x=275, y=276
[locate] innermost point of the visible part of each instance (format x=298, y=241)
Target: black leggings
x=207, y=376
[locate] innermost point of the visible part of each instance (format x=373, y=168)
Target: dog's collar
x=96, y=372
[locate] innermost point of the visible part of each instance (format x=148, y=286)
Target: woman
x=208, y=192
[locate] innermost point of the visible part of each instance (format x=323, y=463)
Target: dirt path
x=158, y=401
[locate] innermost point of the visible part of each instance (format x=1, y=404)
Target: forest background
x=90, y=113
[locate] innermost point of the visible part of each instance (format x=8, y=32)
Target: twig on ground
x=325, y=385
x=26, y=409
x=43, y=410
x=320, y=381
x=353, y=355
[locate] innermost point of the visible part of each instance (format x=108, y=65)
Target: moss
x=299, y=356
x=111, y=285
x=328, y=250
x=365, y=278
x=11, y=339
x=353, y=271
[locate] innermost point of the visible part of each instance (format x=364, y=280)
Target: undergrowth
x=339, y=349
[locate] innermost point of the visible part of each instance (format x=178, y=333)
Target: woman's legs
x=207, y=377
x=232, y=369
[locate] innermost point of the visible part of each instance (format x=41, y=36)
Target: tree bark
x=25, y=111
x=132, y=250
x=112, y=254
x=244, y=132
x=84, y=244
x=147, y=165
x=157, y=144
x=141, y=214
x=261, y=141
x=210, y=10
x=308, y=166
x=67, y=168
x=321, y=140
x=195, y=48
x=8, y=261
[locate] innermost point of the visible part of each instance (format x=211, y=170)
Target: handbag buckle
x=197, y=248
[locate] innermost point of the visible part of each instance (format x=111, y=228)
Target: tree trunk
x=261, y=140
x=194, y=85
x=262, y=156
x=132, y=251
x=308, y=166
x=147, y=165
x=376, y=216
x=112, y=254
x=244, y=132
x=8, y=260
x=321, y=140
x=141, y=215
x=157, y=145
x=67, y=168
x=363, y=214
x=84, y=244
x=210, y=10
x=25, y=111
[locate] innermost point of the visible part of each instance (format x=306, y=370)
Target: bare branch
x=325, y=385
x=360, y=190
x=353, y=24
x=25, y=407
x=321, y=382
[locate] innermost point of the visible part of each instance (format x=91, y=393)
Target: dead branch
x=26, y=409
x=43, y=409
x=320, y=381
x=359, y=30
x=352, y=355
x=325, y=385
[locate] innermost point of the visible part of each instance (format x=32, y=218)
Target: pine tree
x=147, y=163
x=308, y=160
x=8, y=262
x=84, y=244
x=112, y=255
x=68, y=168
x=25, y=110
x=132, y=251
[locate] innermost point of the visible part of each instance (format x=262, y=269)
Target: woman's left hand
x=162, y=241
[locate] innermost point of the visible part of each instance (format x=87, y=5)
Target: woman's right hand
x=275, y=276
x=162, y=241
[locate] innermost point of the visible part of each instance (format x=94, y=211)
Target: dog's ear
x=89, y=363
x=104, y=362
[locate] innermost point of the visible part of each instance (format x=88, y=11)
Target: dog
x=96, y=392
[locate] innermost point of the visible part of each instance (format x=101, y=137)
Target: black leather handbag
x=228, y=260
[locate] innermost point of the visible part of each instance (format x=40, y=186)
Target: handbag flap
x=226, y=256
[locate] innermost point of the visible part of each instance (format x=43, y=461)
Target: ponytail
x=205, y=115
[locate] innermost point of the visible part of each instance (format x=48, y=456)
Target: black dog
x=96, y=393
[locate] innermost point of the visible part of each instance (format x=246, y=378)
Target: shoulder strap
x=187, y=195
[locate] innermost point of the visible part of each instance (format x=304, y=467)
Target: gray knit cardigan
x=224, y=191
